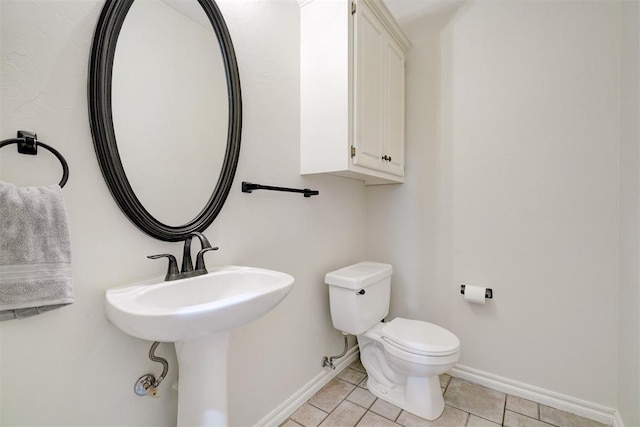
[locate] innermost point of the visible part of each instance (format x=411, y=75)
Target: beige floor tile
x=475, y=421
x=564, y=419
x=346, y=414
x=357, y=365
x=361, y=397
x=444, y=380
x=351, y=376
x=309, y=416
x=331, y=395
x=363, y=383
x=386, y=409
x=451, y=417
x=373, y=420
x=475, y=399
x=522, y=406
x=290, y=423
x=513, y=419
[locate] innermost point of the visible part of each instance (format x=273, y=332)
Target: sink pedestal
x=202, y=380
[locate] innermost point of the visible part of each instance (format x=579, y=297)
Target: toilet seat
x=418, y=338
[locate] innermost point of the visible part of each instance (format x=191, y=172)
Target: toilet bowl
x=402, y=357
x=404, y=375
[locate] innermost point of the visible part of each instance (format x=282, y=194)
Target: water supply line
x=327, y=361
x=147, y=384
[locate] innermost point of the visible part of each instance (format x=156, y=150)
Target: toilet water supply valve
x=327, y=361
x=147, y=385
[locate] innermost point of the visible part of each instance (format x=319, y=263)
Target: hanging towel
x=35, y=251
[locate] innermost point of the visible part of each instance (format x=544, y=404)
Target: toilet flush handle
x=361, y=292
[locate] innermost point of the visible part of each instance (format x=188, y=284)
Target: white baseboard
x=289, y=406
x=550, y=398
x=617, y=421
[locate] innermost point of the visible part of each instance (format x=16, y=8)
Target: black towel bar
x=28, y=144
x=248, y=187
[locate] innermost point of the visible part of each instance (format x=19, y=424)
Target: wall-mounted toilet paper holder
x=487, y=294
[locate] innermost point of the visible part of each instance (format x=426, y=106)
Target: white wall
x=512, y=183
x=71, y=367
x=629, y=303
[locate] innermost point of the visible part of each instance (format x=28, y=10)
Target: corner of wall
x=628, y=369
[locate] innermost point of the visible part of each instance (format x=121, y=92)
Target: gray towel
x=35, y=251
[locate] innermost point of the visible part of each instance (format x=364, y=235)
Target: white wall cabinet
x=352, y=90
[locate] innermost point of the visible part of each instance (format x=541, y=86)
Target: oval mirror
x=165, y=112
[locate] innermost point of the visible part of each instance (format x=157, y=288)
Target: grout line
x=483, y=418
x=397, y=416
x=325, y=417
x=531, y=418
x=316, y=407
x=504, y=409
x=360, y=419
x=448, y=384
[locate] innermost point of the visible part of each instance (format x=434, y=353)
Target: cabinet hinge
x=353, y=151
x=353, y=8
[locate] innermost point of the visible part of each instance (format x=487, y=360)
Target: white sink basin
x=179, y=310
x=197, y=314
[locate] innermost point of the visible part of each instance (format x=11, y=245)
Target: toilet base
x=422, y=396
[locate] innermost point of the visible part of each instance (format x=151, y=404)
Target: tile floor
x=345, y=401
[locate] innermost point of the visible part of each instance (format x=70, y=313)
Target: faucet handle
x=200, y=259
x=172, y=271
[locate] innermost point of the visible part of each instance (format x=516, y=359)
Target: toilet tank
x=359, y=296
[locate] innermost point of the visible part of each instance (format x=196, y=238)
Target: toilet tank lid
x=358, y=276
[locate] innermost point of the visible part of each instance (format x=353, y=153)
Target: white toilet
x=402, y=357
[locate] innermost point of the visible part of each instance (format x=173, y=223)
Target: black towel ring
x=28, y=144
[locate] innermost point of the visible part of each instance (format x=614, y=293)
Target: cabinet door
x=368, y=89
x=394, y=109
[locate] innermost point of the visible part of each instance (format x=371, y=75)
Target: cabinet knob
x=389, y=158
x=385, y=157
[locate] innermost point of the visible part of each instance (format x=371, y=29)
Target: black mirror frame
x=104, y=140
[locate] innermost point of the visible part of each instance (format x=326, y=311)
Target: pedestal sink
x=197, y=314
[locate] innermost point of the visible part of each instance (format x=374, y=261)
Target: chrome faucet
x=187, y=264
